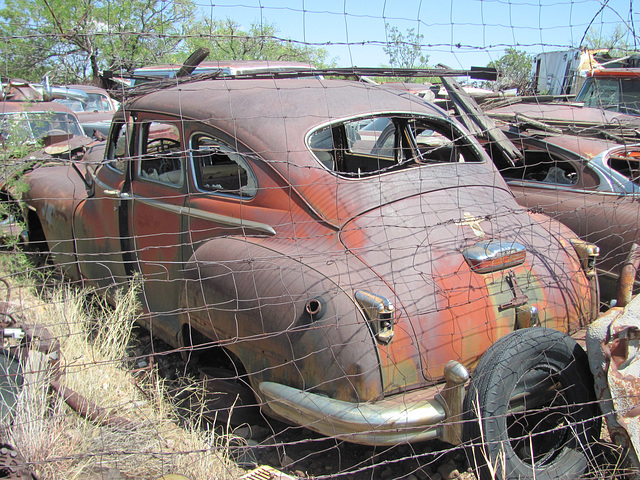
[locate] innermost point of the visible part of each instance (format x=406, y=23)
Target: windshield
x=611, y=93
x=71, y=104
x=372, y=145
x=31, y=126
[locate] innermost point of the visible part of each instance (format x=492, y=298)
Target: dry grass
x=60, y=444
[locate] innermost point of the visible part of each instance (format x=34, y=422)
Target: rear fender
x=252, y=300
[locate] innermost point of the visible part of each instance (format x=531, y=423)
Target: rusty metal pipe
x=89, y=410
x=628, y=276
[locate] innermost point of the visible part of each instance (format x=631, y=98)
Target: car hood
x=415, y=246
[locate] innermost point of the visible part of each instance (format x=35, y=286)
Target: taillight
x=492, y=255
x=587, y=253
x=380, y=314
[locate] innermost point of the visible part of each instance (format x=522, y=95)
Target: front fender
x=54, y=194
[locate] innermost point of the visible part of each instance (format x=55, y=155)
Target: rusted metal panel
x=613, y=343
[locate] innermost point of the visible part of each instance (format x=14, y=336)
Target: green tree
x=227, y=41
x=404, y=51
x=514, y=69
x=73, y=39
x=617, y=42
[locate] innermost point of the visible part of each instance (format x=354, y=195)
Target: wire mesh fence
x=351, y=240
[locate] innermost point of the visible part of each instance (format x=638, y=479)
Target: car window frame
x=128, y=123
x=244, y=163
x=402, y=122
x=143, y=128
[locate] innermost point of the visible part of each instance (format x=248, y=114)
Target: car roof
x=273, y=116
x=14, y=107
x=586, y=147
x=89, y=89
x=615, y=72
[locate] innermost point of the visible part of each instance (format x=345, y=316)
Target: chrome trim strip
x=208, y=216
x=555, y=186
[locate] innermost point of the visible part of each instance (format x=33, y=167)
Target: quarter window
x=220, y=169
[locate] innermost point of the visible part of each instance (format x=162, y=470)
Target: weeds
x=60, y=444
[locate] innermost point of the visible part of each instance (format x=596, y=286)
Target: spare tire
x=530, y=410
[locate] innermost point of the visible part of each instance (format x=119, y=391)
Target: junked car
x=94, y=111
x=351, y=252
x=590, y=185
x=615, y=89
x=32, y=132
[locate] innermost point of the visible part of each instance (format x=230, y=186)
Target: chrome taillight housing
x=492, y=255
x=379, y=313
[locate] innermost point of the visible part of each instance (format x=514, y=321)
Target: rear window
x=374, y=145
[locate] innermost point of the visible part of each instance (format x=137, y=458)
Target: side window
x=161, y=153
x=220, y=169
x=118, y=146
x=541, y=166
x=630, y=96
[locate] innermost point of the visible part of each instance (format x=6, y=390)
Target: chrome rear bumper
x=408, y=417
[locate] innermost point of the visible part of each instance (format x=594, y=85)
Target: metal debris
x=266, y=472
x=13, y=466
x=613, y=346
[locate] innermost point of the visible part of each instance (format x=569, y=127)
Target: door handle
x=116, y=193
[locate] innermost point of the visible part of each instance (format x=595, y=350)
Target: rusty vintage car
x=350, y=251
x=588, y=184
x=94, y=109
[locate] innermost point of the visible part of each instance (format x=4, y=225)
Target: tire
x=556, y=423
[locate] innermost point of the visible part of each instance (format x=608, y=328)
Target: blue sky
x=459, y=33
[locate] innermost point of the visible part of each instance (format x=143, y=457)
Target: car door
x=102, y=240
x=224, y=203
x=158, y=191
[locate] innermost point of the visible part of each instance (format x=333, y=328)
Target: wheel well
x=11, y=204
x=37, y=239
x=207, y=353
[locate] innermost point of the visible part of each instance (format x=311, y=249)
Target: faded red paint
x=237, y=270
